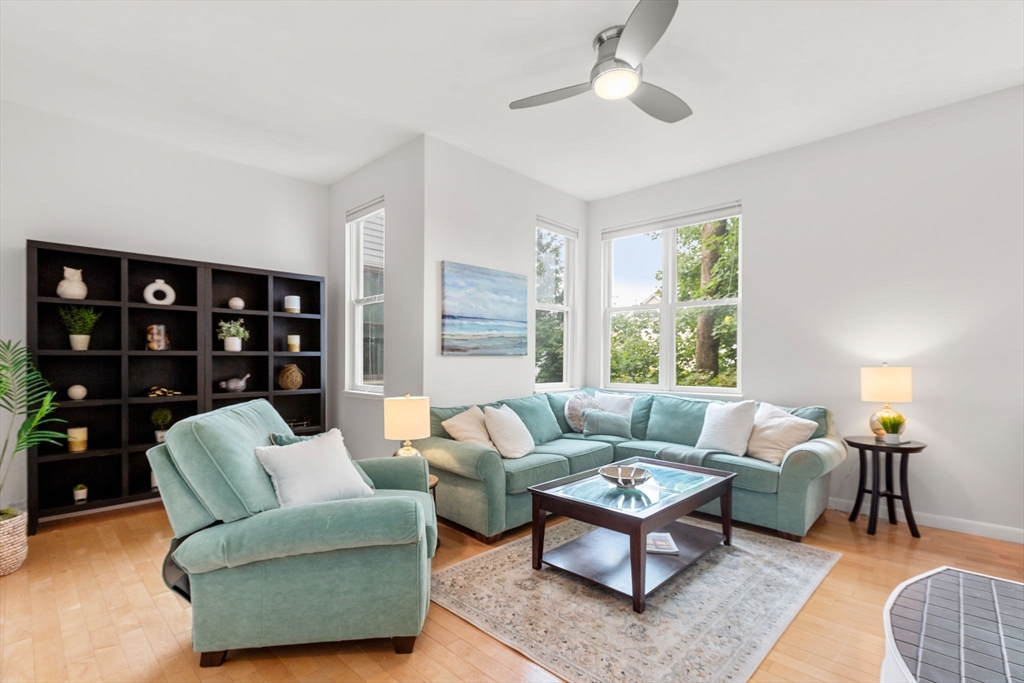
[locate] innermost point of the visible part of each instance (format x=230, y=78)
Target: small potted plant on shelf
x=161, y=419
x=80, y=320
x=892, y=425
x=26, y=399
x=81, y=492
x=233, y=333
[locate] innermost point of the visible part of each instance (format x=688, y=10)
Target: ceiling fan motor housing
x=605, y=44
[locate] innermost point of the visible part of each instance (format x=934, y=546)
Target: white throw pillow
x=313, y=471
x=775, y=432
x=620, y=404
x=727, y=427
x=575, y=406
x=469, y=427
x=508, y=432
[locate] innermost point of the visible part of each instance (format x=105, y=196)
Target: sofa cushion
x=557, y=401
x=603, y=438
x=676, y=419
x=535, y=412
x=426, y=500
x=751, y=474
x=536, y=468
x=597, y=422
x=815, y=414
x=215, y=453
x=582, y=455
x=640, y=449
x=641, y=415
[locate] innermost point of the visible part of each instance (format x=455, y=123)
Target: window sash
x=566, y=308
x=355, y=222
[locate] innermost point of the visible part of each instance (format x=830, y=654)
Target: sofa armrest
x=407, y=474
x=465, y=459
x=304, y=530
x=813, y=458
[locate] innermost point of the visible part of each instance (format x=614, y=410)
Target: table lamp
x=886, y=385
x=406, y=418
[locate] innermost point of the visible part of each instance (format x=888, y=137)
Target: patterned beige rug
x=715, y=621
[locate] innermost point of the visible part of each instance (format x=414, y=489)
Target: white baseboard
x=966, y=526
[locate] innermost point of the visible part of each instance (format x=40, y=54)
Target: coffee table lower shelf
x=602, y=556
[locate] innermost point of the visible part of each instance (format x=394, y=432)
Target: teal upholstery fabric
x=751, y=474
x=684, y=455
x=823, y=416
x=580, y=454
x=214, y=452
x=471, y=483
x=603, y=423
x=557, y=400
x=641, y=411
x=426, y=501
x=675, y=419
x=302, y=530
x=439, y=415
x=603, y=438
x=640, y=449
x=518, y=509
x=185, y=511
x=536, y=414
x=407, y=473
x=535, y=468
x=289, y=439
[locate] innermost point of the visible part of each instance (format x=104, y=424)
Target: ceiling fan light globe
x=616, y=84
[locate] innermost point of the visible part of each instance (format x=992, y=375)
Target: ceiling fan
x=618, y=72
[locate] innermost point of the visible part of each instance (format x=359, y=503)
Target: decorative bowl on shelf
x=625, y=477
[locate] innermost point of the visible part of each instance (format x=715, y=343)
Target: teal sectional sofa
x=259, y=575
x=487, y=494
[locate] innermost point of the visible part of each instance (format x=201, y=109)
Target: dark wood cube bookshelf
x=118, y=369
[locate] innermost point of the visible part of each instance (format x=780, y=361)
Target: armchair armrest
x=813, y=458
x=407, y=474
x=465, y=459
x=304, y=530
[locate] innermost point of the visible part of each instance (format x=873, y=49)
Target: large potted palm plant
x=26, y=403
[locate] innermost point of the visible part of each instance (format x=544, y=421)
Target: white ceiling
x=315, y=90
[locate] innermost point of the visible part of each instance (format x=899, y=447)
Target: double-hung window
x=553, y=309
x=366, y=296
x=672, y=303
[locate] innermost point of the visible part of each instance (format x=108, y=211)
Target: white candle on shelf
x=294, y=342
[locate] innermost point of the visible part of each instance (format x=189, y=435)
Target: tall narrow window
x=673, y=305
x=553, y=309
x=366, y=287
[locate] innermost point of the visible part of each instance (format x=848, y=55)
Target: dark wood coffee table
x=615, y=555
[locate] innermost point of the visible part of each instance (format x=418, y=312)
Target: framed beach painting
x=483, y=311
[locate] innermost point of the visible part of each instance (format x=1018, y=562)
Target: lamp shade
x=406, y=417
x=886, y=385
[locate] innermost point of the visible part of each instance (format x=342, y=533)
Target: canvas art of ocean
x=483, y=311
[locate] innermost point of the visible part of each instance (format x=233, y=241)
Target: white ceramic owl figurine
x=72, y=287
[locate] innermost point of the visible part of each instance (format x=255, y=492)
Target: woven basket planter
x=290, y=377
x=13, y=543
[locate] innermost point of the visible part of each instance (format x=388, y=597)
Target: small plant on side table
x=161, y=419
x=892, y=424
x=233, y=333
x=81, y=492
x=80, y=321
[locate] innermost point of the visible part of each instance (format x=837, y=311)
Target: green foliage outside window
x=550, y=325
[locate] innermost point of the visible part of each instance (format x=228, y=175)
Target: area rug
x=715, y=621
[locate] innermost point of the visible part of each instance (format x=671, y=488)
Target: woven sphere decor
x=13, y=543
x=290, y=377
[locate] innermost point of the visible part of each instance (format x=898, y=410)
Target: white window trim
x=356, y=302
x=568, y=309
x=668, y=307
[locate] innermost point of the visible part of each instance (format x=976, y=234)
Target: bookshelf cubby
x=118, y=369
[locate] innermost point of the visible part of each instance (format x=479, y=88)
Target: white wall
x=486, y=215
x=398, y=177
x=902, y=242
x=62, y=180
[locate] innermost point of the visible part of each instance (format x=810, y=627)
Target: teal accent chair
x=260, y=575
x=488, y=495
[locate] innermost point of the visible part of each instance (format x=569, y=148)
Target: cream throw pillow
x=775, y=432
x=312, y=471
x=727, y=427
x=469, y=426
x=508, y=432
x=620, y=404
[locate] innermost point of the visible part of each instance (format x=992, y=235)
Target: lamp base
x=876, y=424
x=407, y=449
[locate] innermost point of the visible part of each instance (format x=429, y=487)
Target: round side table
x=869, y=444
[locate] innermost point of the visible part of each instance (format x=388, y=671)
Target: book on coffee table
x=661, y=543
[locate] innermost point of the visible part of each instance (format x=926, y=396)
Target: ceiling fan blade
x=549, y=97
x=659, y=103
x=644, y=28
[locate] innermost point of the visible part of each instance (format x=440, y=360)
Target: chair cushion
x=424, y=499
x=582, y=455
x=535, y=412
x=751, y=474
x=536, y=468
x=215, y=453
x=676, y=419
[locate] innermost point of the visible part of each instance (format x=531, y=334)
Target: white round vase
x=76, y=392
x=150, y=293
x=232, y=344
x=236, y=303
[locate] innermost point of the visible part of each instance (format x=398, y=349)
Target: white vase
x=232, y=344
x=79, y=342
x=72, y=287
x=160, y=435
x=81, y=495
x=236, y=304
x=149, y=293
x=893, y=439
x=76, y=392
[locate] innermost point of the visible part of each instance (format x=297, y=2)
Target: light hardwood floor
x=89, y=605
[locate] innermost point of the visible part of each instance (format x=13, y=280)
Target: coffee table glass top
x=667, y=485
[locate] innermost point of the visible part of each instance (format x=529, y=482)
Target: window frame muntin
x=357, y=302
x=566, y=308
